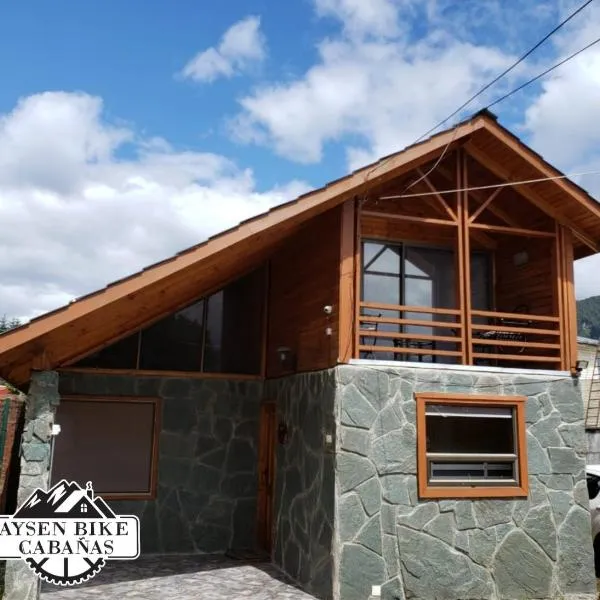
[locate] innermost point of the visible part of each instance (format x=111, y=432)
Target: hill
x=588, y=317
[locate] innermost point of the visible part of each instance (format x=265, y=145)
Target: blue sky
x=130, y=130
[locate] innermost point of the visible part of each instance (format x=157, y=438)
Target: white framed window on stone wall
x=110, y=441
x=471, y=446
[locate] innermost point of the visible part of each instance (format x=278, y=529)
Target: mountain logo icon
x=67, y=534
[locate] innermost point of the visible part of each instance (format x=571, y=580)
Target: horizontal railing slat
x=406, y=308
x=410, y=336
x=408, y=350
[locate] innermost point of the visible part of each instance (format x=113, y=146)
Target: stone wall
x=207, y=478
x=304, y=495
x=20, y=582
x=538, y=547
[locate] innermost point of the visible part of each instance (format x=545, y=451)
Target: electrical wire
x=491, y=186
x=508, y=70
x=534, y=79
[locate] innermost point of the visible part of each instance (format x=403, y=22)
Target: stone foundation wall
x=538, y=547
x=207, y=477
x=20, y=582
x=305, y=491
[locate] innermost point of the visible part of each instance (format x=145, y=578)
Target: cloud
x=241, y=46
x=360, y=18
x=382, y=94
x=560, y=120
x=74, y=216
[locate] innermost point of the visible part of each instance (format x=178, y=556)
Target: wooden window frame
x=151, y=494
x=427, y=490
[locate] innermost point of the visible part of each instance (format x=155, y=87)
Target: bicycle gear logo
x=67, y=534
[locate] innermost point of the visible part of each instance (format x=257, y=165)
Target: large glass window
x=221, y=333
x=471, y=445
x=409, y=275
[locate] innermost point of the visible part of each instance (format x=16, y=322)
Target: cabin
x=374, y=385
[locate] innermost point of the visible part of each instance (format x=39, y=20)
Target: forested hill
x=588, y=317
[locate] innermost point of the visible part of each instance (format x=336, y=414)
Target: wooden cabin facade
x=286, y=380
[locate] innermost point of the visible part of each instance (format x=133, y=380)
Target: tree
x=6, y=323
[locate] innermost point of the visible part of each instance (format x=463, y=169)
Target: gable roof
x=63, y=335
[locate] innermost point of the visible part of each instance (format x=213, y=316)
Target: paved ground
x=181, y=578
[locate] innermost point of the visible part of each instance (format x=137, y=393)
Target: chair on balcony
x=507, y=336
x=415, y=344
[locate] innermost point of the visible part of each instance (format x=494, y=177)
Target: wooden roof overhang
x=60, y=337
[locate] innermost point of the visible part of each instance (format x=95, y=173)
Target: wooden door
x=266, y=474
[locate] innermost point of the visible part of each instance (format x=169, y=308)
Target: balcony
x=441, y=335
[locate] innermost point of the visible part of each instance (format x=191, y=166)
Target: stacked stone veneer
x=538, y=547
x=207, y=470
x=20, y=582
x=305, y=481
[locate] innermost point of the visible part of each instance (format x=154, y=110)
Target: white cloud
x=374, y=18
x=73, y=216
x=562, y=119
x=384, y=93
x=241, y=46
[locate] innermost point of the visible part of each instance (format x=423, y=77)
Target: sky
x=131, y=130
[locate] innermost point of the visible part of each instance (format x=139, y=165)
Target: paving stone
x=184, y=578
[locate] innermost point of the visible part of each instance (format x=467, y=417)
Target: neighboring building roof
x=64, y=335
x=588, y=341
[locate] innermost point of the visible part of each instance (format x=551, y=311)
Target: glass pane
x=381, y=288
x=435, y=267
x=175, y=343
x=234, y=327
x=470, y=435
x=446, y=410
x=120, y=355
x=471, y=470
x=381, y=258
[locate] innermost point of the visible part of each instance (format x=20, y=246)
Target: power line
x=508, y=70
x=534, y=79
x=504, y=97
x=491, y=186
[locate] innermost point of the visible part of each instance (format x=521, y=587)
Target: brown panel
x=99, y=443
x=305, y=277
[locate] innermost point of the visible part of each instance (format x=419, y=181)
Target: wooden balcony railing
x=493, y=338
x=515, y=337
x=379, y=332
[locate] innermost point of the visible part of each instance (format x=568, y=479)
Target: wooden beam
x=485, y=204
x=357, y=277
x=557, y=295
x=569, y=301
x=533, y=197
x=399, y=217
x=438, y=197
x=513, y=230
x=347, y=286
x=543, y=167
x=464, y=216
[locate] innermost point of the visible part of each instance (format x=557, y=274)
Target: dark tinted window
x=234, y=327
x=175, y=343
x=120, y=355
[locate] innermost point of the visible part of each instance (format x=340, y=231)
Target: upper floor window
x=221, y=333
x=405, y=275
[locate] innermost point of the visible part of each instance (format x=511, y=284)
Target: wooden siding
x=305, y=275
x=532, y=284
